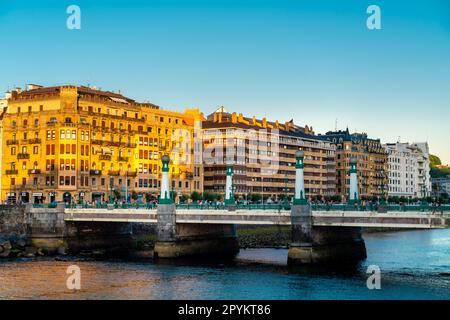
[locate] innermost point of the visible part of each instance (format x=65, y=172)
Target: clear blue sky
x=313, y=61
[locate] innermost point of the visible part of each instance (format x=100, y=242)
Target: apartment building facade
x=372, y=163
x=408, y=170
x=263, y=156
x=71, y=144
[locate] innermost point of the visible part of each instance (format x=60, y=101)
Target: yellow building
x=75, y=144
x=372, y=163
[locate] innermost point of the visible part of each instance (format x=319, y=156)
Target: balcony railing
x=34, y=171
x=95, y=172
x=123, y=159
x=34, y=141
x=23, y=156
x=131, y=173
x=113, y=172
x=12, y=142
x=12, y=171
x=105, y=157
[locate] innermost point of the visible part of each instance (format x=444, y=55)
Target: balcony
x=113, y=173
x=94, y=172
x=122, y=159
x=12, y=142
x=99, y=142
x=34, y=171
x=12, y=171
x=23, y=156
x=131, y=173
x=105, y=157
x=34, y=141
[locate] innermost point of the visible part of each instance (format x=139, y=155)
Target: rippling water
x=414, y=265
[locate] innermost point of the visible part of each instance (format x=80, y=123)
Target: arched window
x=62, y=134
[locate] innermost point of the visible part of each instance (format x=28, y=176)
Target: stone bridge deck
x=411, y=219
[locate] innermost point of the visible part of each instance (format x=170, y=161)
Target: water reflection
x=414, y=264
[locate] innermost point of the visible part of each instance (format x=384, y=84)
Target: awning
x=119, y=100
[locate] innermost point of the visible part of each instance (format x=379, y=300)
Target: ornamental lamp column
x=299, y=198
x=353, y=196
x=165, y=193
x=229, y=194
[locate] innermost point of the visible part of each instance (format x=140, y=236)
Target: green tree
x=116, y=194
x=255, y=197
x=434, y=160
x=196, y=196
x=134, y=195
x=184, y=197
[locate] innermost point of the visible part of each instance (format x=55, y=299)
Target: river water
x=414, y=265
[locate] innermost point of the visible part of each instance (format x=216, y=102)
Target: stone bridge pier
x=322, y=245
x=177, y=240
x=47, y=229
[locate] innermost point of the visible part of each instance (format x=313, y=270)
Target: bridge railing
x=271, y=206
x=115, y=206
x=374, y=207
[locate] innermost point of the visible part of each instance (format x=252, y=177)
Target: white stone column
x=299, y=197
x=165, y=193
x=353, y=193
x=229, y=194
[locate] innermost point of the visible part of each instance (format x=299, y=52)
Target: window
x=62, y=134
x=30, y=108
x=13, y=151
x=35, y=150
x=36, y=122
x=74, y=134
x=82, y=135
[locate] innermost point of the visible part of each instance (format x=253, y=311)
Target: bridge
x=336, y=218
x=320, y=233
